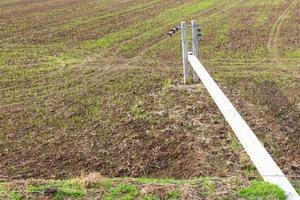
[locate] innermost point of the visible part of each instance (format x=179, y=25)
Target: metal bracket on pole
x=184, y=52
x=195, y=46
x=196, y=36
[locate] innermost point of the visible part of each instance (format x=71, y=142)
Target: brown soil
x=122, y=117
x=133, y=148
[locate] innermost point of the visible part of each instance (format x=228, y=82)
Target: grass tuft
x=6, y=193
x=263, y=191
x=69, y=188
x=123, y=191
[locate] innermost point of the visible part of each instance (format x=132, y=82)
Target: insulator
x=173, y=30
x=170, y=34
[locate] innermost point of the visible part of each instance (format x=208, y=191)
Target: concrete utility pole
x=195, y=46
x=262, y=160
x=184, y=52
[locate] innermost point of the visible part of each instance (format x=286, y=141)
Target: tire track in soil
x=272, y=45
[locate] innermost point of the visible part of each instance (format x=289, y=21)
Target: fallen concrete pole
x=262, y=160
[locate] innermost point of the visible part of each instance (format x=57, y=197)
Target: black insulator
x=173, y=30
x=170, y=34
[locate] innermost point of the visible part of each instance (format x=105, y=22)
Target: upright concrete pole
x=184, y=52
x=195, y=45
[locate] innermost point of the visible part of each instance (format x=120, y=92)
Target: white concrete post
x=184, y=52
x=195, y=45
x=262, y=160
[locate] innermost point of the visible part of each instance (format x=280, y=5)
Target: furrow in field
x=63, y=81
x=143, y=33
x=206, y=14
x=50, y=22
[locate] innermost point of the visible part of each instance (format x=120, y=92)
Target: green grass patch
x=138, y=111
x=14, y=195
x=234, y=143
x=263, y=191
x=173, y=195
x=123, y=192
x=64, y=58
x=1, y=61
x=162, y=181
x=207, y=187
x=151, y=197
x=167, y=83
x=294, y=53
x=68, y=188
x=6, y=193
x=261, y=18
x=169, y=16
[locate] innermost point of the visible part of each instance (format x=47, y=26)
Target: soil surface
x=97, y=87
